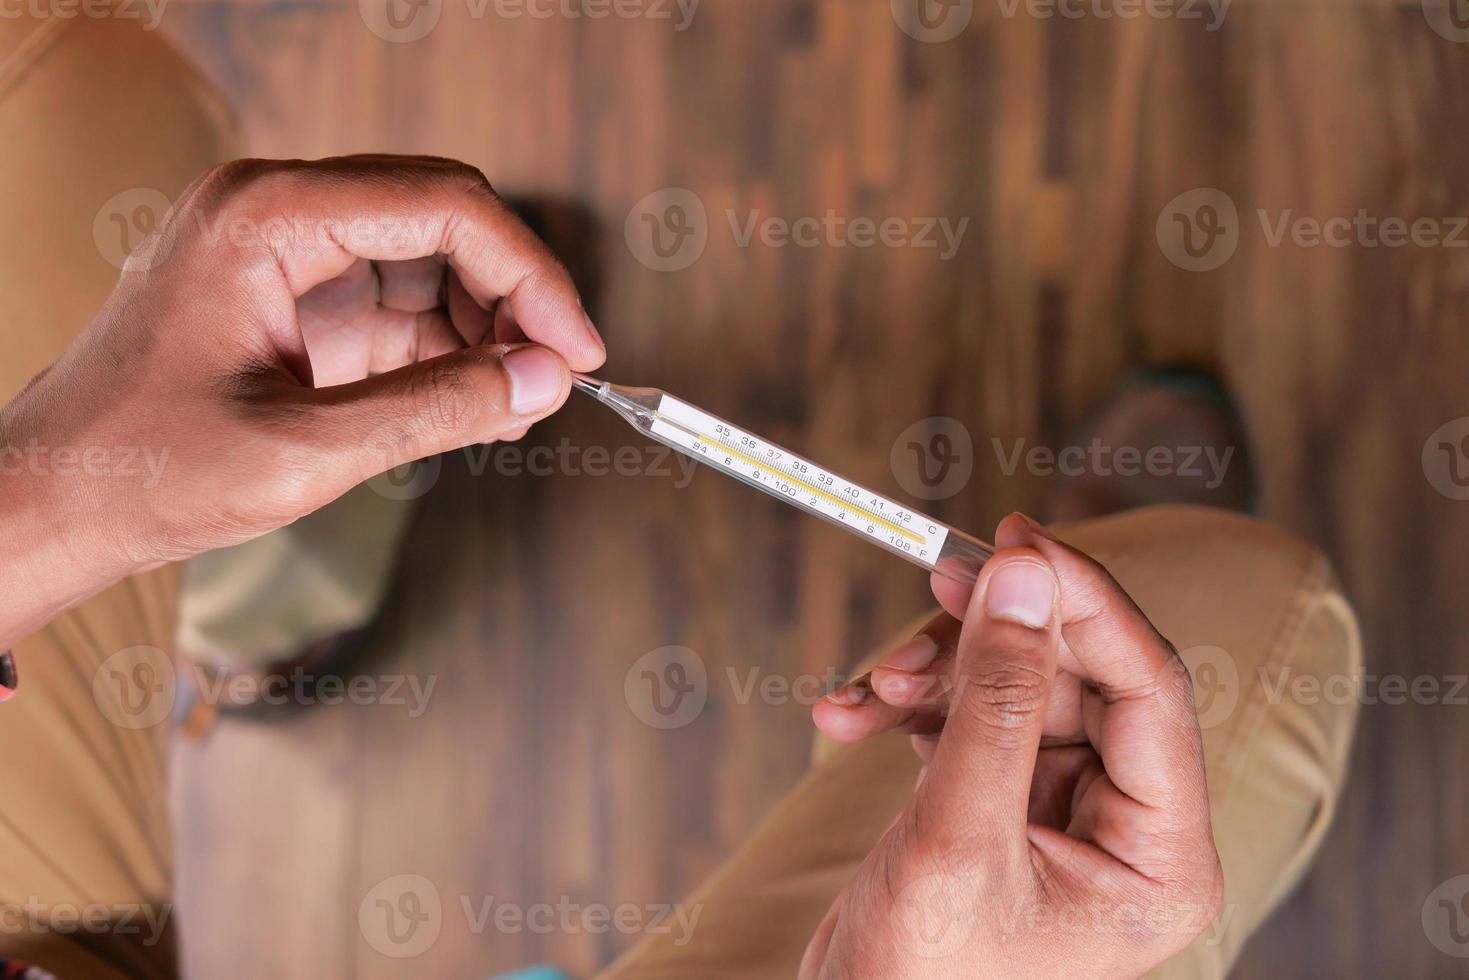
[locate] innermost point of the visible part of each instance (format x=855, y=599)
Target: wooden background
x=1060, y=140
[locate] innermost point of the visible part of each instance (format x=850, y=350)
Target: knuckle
x=1005, y=697
x=1175, y=685
x=445, y=397
x=471, y=181
x=296, y=480
x=231, y=180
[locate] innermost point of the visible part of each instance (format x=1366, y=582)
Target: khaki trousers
x=1250, y=608
x=85, y=850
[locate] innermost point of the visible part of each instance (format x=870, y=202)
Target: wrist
x=59, y=548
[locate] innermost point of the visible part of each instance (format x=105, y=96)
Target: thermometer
x=819, y=491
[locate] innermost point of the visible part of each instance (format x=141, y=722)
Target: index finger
x=315, y=219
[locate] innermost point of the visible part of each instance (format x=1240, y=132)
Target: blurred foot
x=1164, y=435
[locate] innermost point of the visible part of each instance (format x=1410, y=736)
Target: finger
x=472, y=321
x=1061, y=776
x=469, y=396
x=413, y=285
x=918, y=672
x=908, y=678
x=952, y=596
x=981, y=770
x=1140, y=711
x=507, y=330
x=853, y=713
x=394, y=338
x=315, y=219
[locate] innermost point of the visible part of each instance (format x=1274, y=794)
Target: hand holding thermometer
x=921, y=539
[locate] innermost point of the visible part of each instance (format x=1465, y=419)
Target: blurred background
x=1116, y=191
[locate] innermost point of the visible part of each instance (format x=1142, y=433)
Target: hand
x=1061, y=822
x=289, y=331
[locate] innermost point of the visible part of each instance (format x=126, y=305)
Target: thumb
x=1005, y=666
x=468, y=396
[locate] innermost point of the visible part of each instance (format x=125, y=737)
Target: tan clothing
x=103, y=109
x=1255, y=604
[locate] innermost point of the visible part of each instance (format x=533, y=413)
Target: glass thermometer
x=921, y=539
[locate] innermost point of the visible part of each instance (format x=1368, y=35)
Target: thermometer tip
x=587, y=384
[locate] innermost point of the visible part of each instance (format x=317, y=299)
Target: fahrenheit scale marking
x=799, y=480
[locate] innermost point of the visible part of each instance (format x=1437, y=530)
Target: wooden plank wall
x=1060, y=141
